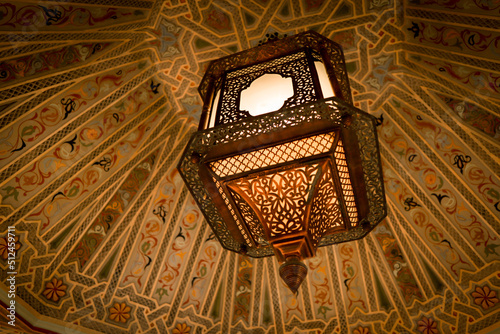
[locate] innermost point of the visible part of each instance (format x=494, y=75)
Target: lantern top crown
x=278, y=48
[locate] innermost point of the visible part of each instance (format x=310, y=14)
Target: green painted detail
x=383, y=299
x=232, y=48
x=415, y=57
x=249, y=19
x=106, y=269
x=10, y=191
x=215, y=312
x=351, y=67
x=267, y=315
x=396, y=103
x=285, y=10
x=7, y=105
x=200, y=44
x=318, y=28
x=436, y=282
x=344, y=10
x=54, y=244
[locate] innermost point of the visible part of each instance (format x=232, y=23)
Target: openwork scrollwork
x=280, y=198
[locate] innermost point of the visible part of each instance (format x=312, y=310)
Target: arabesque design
x=91, y=88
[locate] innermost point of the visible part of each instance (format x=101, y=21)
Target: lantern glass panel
x=213, y=113
x=324, y=81
x=266, y=94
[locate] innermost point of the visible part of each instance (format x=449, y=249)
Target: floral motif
x=361, y=330
x=4, y=246
x=405, y=279
x=427, y=326
x=218, y=20
x=112, y=212
x=55, y=289
x=382, y=66
x=453, y=37
x=191, y=106
x=175, y=260
x=119, y=312
x=243, y=296
x=182, y=329
x=461, y=5
x=36, y=63
x=37, y=17
x=485, y=297
x=350, y=273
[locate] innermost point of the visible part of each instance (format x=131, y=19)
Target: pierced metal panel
x=325, y=210
x=293, y=66
x=251, y=220
x=345, y=183
x=274, y=155
x=279, y=197
x=233, y=213
x=331, y=55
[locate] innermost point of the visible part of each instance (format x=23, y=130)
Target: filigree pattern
x=294, y=66
x=327, y=48
x=232, y=211
x=251, y=220
x=345, y=183
x=325, y=209
x=274, y=155
x=280, y=198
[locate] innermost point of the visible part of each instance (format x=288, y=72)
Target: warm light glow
x=271, y=156
x=345, y=181
x=324, y=82
x=266, y=93
x=213, y=112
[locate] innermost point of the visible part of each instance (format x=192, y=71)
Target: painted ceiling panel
x=99, y=98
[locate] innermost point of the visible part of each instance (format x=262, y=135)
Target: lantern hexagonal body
x=284, y=182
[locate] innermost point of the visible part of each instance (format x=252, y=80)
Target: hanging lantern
x=283, y=162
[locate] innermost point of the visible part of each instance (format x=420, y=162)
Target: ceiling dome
x=98, y=99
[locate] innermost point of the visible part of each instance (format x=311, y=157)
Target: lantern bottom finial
x=293, y=272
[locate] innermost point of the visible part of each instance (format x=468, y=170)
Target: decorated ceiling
x=99, y=98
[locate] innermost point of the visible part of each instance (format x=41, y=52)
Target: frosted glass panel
x=213, y=111
x=324, y=82
x=266, y=93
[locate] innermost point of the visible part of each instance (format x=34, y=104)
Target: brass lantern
x=283, y=162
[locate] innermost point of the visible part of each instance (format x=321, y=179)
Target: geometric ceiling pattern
x=99, y=98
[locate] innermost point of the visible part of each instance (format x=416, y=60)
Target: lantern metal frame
x=241, y=135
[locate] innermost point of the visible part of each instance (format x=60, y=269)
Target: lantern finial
x=293, y=272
